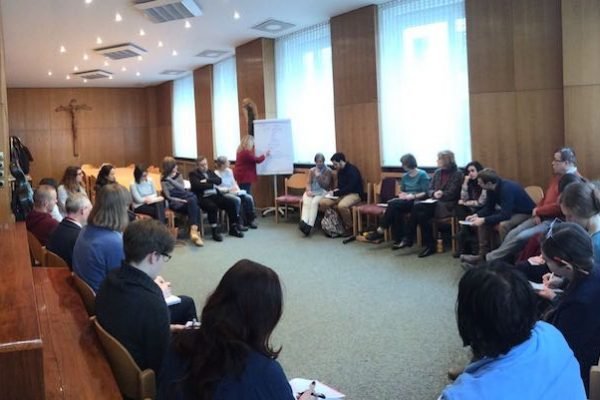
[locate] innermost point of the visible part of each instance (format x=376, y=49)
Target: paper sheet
x=300, y=385
x=429, y=201
x=172, y=299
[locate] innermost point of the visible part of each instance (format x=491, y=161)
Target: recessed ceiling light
x=98, y=40
x=88, y=1
x=106, y=63
x=236, y=15
x=140, y=58
x=85, y=56
x=187, y=25
x=118, y=17
x=123, y=69
x=62, y=49
x=137, y=74
x=160, y=43
x=110, y=77
x=76, y=68
x=174, y=53
x=142, y=33
x=49, y=73
x=273, y=26
x=85, y=81
x=68, y=77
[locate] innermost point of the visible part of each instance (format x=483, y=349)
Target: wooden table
x=75, y=366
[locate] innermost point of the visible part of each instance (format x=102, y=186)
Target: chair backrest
x=133, y=382
x=385, y=190
x=296, y=182
x=595, y=382
x=535, y=192
x=37, y=251
x=54, y=260
x=87, y=295
x=92, y=188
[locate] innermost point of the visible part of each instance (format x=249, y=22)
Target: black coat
x=62, y=240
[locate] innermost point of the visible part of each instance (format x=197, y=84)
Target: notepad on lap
x=240, y=192
x=332, y=197
x=172, y=299
x=429, y=201
x=299, y=385
x=382, y=204
x=539, y=286
x=469, y=223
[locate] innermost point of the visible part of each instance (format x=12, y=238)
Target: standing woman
x=71, y=183
x=317, y=185
x=230, y=355
x=179, y=199
x=145, y=199
x=245, y=163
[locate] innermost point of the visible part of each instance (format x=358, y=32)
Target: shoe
x=252, y=225
x=216, y=235
x=426, y=252
x=234, y=231
x=374, y=236
x=401, y=245
x=470, y=258
x=456, y=254
x=306, y=229
x=195, y=236
x=242, y=228
x=454, y=372
x=466, y=266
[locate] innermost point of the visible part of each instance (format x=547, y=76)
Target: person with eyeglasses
x=71, y=183
x=568, y=251
x=130, y=303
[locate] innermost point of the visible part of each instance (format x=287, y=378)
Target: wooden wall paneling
x=203, y=90
x=490, y=45
x=151, y=119
x=164, y=101
x=268, y=52
x=582, y=126
x=581, y=41
x=537, y=44
x=540, y=131
x=494, y=132
x=5, y=210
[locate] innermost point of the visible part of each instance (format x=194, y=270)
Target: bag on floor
x=332, y=224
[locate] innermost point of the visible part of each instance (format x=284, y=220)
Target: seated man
x=244, y=202
x=349, y=189
x=39, y=221
x=204, y=185
x=143, y=326
x=564, y=162
x=514, y=357
x=62, y=240
x=515, y=206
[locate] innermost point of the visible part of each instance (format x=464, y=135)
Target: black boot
x=216, y=235
x=306, y=229
x=235, y=231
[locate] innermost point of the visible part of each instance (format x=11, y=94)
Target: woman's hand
x=438, y=194
x=546, y=293
x=461, y=202
x=267, y=153
x=552, y=281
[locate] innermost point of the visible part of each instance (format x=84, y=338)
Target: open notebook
x=299, y=385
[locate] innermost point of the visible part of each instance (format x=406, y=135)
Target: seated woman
x=413, y=186
x=472, y=197
x=513, y=355
x=71, y=183
x=179, y=199
x=244, y=202
x=444, y=189
x=230, y=355
x=569, y=253
x=145, y=199
x=105, y=176
x=317, y=185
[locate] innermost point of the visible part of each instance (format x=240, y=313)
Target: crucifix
x=73, y=108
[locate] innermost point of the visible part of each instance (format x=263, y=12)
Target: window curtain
x=423, y=82
x=226, y=118
x=184, y=118
x=304, y=90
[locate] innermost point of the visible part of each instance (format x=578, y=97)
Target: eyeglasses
x=166, y=257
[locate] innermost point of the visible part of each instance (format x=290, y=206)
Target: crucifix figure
x=73, y=108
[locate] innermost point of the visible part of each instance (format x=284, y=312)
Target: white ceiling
x=34, y=30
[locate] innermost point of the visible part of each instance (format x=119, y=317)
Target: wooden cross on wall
x=73, y=109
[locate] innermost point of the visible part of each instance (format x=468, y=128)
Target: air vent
x=168, y=10
x=212, y=53
x=273, y=26
x=121, y=51
x=172, y=72
x=93, y=74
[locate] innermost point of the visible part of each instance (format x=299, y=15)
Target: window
x=304, y=87
x=184, y=118
x=423, y=82
x=226, y=118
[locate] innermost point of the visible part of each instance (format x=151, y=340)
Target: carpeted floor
x=374, y=323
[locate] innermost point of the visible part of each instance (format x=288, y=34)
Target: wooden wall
x=581, y=63
x=515, y=84
x=203, y=87
x=5, y=213
x=159, y=121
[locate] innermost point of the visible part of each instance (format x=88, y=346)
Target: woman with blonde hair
x=245, y=163
x=71, y=183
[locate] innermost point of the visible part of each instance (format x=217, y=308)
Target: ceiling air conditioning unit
x=168, y=10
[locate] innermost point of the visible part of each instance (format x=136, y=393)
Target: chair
x=535, y=192
x=374, y=198
x=92, y=188
x=87, y=295
x=595, y=382
x=453, y=229
x=133, y=382
x=54, y=260
x=294, y=182
x=36, y=250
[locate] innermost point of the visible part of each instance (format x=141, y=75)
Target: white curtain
x=226, y=119
x=304, y=88
x=423, y=83
x=184, y=118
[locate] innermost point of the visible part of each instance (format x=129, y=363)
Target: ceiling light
x=118, y=17
x=68, y=77
x=106, y=64
x=142, y=33
x=174, y=53
x=140, y=58
x=49, y=73
x=236, y=15
x=187, y=25
x=123, y=69
x=88, y=1
x=110, y=77
x=160, y=43
x=98, y=40
x=62, y=49
x=85, y=56
x=76, y=68
x=273, y=26
x=137, y=74
x=85, y=81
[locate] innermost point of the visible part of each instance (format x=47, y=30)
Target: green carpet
x=374, y=323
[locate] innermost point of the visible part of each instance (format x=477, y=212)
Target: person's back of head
x=568, y=243
x=238, y=318
x=43, y=196
x=49, y=181
x=567, y=179
x=110, y=208
x=77, y=207
x=146, y=237
x=581, y=200
x=488, y=175
x=338, y=157
x=496, y=309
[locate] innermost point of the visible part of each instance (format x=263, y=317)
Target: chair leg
x=359, y=221
x=276, y=212
x=454, y=231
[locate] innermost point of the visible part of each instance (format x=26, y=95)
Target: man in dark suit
x=62, y=240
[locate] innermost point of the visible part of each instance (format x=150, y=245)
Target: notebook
x=299, y=385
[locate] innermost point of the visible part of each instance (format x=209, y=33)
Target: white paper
x=240, y=192
x=429, y=201
x=332, y=197
x=187, y=184
x=274, y=135
x=469, y=223
x=539, y=286
x=382, y=204
x=299, y=385
x=172, y=299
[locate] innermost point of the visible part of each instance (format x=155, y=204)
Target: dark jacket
x=41, y=224
x=451, y=188
x=198, y=187
x=131, y=307
x=512, y=199
x=62, y=240
x=349, y=181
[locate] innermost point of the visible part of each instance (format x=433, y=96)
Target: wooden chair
x=88, y=296
x=372, y=209
x=295, y=182
x=54, y=260
x=36, y=250
x=535, y=192
x=453, y=222
x=133, y=382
